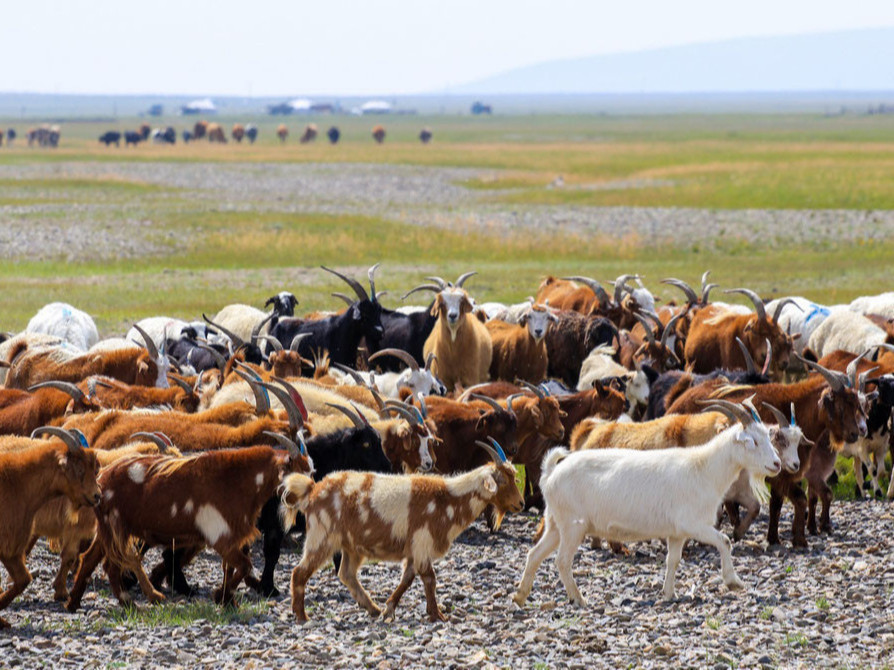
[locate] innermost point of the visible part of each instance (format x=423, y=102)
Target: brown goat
x=23, y=411
x=29, y=480
x=208, y=499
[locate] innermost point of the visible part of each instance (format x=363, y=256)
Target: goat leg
x=89, y=560
x=406, y=579
x=434, y=612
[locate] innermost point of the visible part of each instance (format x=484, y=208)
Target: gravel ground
x=430, y=196
x=831, y=606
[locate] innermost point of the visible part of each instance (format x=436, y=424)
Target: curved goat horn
x=344, y=297
x=353, y=283
x=65, y=387
x=836, y=380
x=731, y=409
x=297, y=340
x=593, y=285
x=440, y=282
x=234, y=338
x=150, y=343
x=650, y=335
x=296, y=420
x=371, y=275
x=283, y=441
x=71, y=440
x=272, y=341
x=162, y=441
x=768, y=358
x=462, y=278
x=421, y=287
x=351, y=372
x=353, y=415
x=669, y=328
x=775, y=411
x=405, y=356
x=490, y=401
x=429, y=359
x=262, y=400
x=749, y=361
x=683, y=286
x=621, y=286
x=754, y=298
x=494, y=449
x=536, y=390
x=217, y=356
x=182, y=384
x=260, y=324
x=781, y=305
x=707, y=292
x=851, y=370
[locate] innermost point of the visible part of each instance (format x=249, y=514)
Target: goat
x=409, y=518
x=65, y=322
x=109, y=393
x=23, y=411
x=800, y=316
x=407, y=332
x=519, y=351
x=881, y=304
x=828, y=401
x=678, y=430
x=677, y=491
x=711, y=341
x=340, y=335
x=571, y=339
x=211, y=498
x=414, y=378
x=30, y=479
x=460, y=343
x=132, y=366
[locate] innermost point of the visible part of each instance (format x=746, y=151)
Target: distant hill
x=856, y=60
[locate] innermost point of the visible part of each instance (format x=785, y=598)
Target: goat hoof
x=435, y=617
x=156, y=597
x=519, y=599
x=579, y=602
x=735, y=584
x=60, y=596
x=4, y=623
x=388, y=614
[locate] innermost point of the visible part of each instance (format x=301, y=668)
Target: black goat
x=571, y=340
x=407, y=332
x=341, y=334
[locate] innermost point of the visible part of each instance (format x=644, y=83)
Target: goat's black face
x=886, y=390
x=367, y=452
x=369, y=314
x=283, y=303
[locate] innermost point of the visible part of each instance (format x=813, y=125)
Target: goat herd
x=383, y=434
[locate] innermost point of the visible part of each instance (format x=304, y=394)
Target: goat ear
x=490, y=486
x=796, y=336
x=465, y=306
x=291, y=499
x=355, y=313
x=142, y=366
x=63, y=461
x=749, y=326
x=435, y=308
x=523, y=321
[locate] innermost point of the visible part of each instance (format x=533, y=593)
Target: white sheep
x=801, y=321
x=599, y=365
x=845, y=330
x=626, y=495
x=881, y=304
x=241, y=320
x=64, y=321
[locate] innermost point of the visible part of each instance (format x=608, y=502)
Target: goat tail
x=550, y=461
x=295, y=493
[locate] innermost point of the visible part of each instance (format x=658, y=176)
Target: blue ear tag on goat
x=301, y=445
x=755, y=416
x=792, y=422
x=418, y=414
x=545, y=390
x=500, y=452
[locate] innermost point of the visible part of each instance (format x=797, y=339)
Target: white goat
x=600, y=365
x=418, y=380
x=159, y=327
x=64, y=321
x=845, y=330
x=626, y=495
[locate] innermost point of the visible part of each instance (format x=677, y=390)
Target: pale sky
x=362, y=47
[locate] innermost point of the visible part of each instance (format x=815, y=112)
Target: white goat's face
x=538, y=323
x=419, y=381
x=425, y=460
x=760, y=455
x=163, y=367
x=786, y=440
x=638, y=387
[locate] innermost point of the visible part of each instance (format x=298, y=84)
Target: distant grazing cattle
x=251, y=132
x=238, y=132
x=10, y=136
x=199, y=130
x=44, y=136
x=310, y=133
x=111, y=137
x=378, y=134
x=145, y=130
x=425, y=135
x=1, y=138
x=166, y=136
x=216, y=133
x=282, y=132
x=334, y=134
x=187, y=136
x=131, y=137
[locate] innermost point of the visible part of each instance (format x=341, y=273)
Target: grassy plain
x=714, y=162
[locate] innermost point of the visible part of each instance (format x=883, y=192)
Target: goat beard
x=453, y=330
x=758, y=485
